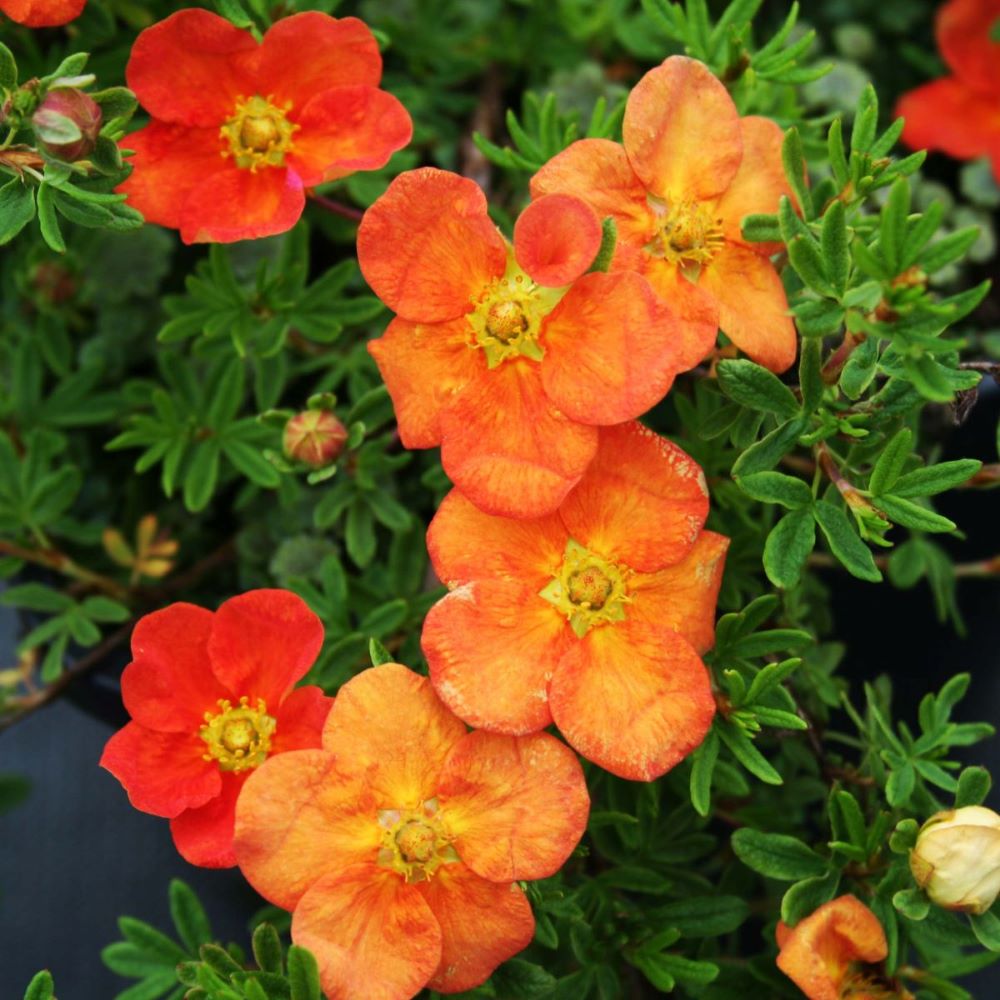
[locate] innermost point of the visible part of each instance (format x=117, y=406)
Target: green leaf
x=36, y=597
x=150, y=941
x=48, y=222
x=742, y=748
x=807, y=895
x=521, y=980
x=189, y=916
x=701, y=916
x=811, y=375
x=751, y=385
x=973, y=787
x=912, y=903
x=202, y=475
x=776, y=487
x=892, y=225
x=609, y=239
x=890, y=462
x=845, y=543
x=232, y=11
x=303, y=974
x=359, y=533
x=794, y=161
x=986, y=927
x=8, y=69
x=936, y=478
x=17, y=208
x=777, y=855
x=834, y=246
x=41, y=987
x=267, y=950
x=702, y=766
x=913, y=515
x=788, y=546
x=378, y=654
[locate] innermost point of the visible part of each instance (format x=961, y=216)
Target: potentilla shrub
x=472, y=504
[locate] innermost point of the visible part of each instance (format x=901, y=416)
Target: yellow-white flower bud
x=956, y=860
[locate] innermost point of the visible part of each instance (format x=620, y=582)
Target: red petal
x=300, y=720
x=610, y=349
x=204, y=836
x=423, y=365
x=170, y=162
x=556, y=239
x=682, y=131
x=42, y=13
x=482, y=924
x=507, y=447
x=427, y=246
x=191, y=68
x=163, y=773
x=753, y=307
x=169, y=685
x=946, y=115
x=347, y=129
x=696, y=311
x=373, y=935
x=634, y=699
x=307, y=53
x=643, y=500
x=263, y=642
x=469, y=628
x=237, y=204
x=516, y=805
x=964, y=34
x=389, y=726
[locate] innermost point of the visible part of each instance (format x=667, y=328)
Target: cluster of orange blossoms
x=582, y=584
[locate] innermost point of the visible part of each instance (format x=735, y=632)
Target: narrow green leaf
x=890, y=462
x=702, y=766
x=845, y=543
x=777, y=855
x=378, y=654
x=303, y=974
x=834, y=247
x=776, y=487
x=936, y=478
x=41, y=987
x=973, y=787
x=752, y=385
x=788, y=546
x=189, y=916
x=17, y=208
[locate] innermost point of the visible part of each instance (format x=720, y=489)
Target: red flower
x=211, y=696
x=241, y=129
x=42, y=13
x=960, y=114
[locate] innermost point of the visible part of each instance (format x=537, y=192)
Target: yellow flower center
x=238, y=738
x=415, y=842
x=588, y=589
x=687, y=233
x=507, y=319
x=259, y=134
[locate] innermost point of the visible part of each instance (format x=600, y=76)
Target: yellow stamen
x=588, y=589
x=238, y=738
x=415, y=842
x=258, y=133
x=687, y=233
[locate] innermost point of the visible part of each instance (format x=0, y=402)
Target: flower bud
x=67, y=123
x=956, y=860
x=315, y=437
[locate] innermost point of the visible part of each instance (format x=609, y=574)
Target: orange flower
x=509, y=357
x=211, y=696
x=240, y=129
x=42, y=13
x=597, y=613
x=689, y=171
x=830, y=955
x=960, y=114
x=399, y=844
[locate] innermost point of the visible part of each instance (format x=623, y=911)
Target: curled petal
x=634, y=699
x=516, y=805
x=482, y=924
x=389, y=726
x=556, y=239
x=204, y=836
x=373, y=935
x=643, y=500
x=427, y=246
x=682, y=131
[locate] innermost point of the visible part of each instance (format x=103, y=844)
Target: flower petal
x=753, y=307
x=482, y=924
x=598, y=172
x=508, y=448
x=466, y=544
x=298, y=818
x=683, y=596
x=610, y=349
x=388, y=725
x=427, y=246
x=237, y=204
x=262, y=642
x=696, y=311
x=632, y=698
x=643, y=500
x=516, y=805
x=946, y=115
x=346, y=129
x=556, y=239
x=373, y=935
x=682, y=131
x=491, y=646
x=300, y=720
x=169, y=685
x=191, y=67
x=423, y=365
x=163, y=773
x=817, y=952
x=305, y=54
x=42, y=13
x=170, y=162
x=964, y=35
x=204, y=836
x=759, y=183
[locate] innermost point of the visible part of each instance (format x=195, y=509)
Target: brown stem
x=335, y=207
x=835, y=363
x=485, y=119
x=61, y=563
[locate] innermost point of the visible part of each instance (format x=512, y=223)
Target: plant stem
x=335, y=207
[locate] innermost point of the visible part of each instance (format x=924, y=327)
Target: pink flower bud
x=315, y=437
x=67, y=123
